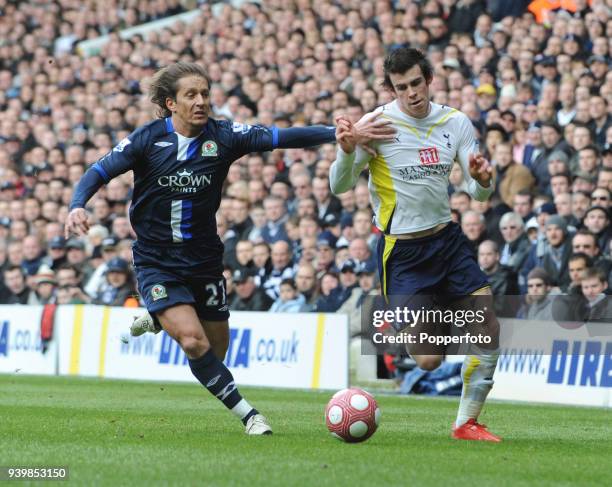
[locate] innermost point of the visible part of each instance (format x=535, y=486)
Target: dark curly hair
x=401, y=60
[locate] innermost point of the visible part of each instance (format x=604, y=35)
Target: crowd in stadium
x=535, y=85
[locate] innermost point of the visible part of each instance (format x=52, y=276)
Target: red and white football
x=352, y=415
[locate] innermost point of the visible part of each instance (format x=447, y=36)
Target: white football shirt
x=409, y=176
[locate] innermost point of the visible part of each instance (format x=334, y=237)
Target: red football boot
x=471, y=430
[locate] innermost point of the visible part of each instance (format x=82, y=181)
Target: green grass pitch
x=133, y=433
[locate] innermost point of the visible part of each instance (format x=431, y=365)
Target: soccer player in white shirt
x=422, y=252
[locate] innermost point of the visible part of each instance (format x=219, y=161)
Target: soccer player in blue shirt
x=180, y=162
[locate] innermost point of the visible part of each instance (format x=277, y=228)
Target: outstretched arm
x=257, y=138
x=350, y=161
x=297, y=137
x=76, y=221
x=121, y=159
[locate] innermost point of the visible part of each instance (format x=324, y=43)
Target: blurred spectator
x=516, y=247
x=597, y=221
x=118, y=285
x=539, y=300
x=326, y=243
x=553, y=145
x=601, y=197
x=327, y=203
x=368, y=286
x=360, y=251
x=69, y=281
x=248, y=296
x=503, y=279
x=258, y=217
x=45, y=284
x=56, y=252
x=563, y=205
x=523, y=204
x=362, y=227
x=76, y=256
x=601, y=120
x=17, y=292
x=556, y=257
x=331, y=223
x=262, y=262
x=276, y=216
x=242, y=223
x=290, y=300
x=230, y=291
x=306, y=284
x=32, y=255
x=472, y=224
x=282, y=268
x=580, y=204
x=585, y=242
x=598, y=303
x=460, y=201
x=510, y=177
x=108, y=251
x=244, y=254
x=329, y=297
x=464, y=14
x=576, y=265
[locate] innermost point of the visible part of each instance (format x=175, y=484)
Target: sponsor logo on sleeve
x=163, y=143
x=122, y=145
x=242, y=128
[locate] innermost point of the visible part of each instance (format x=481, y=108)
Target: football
x=352, y=415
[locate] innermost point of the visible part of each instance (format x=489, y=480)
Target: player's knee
x=220, y=351
x=428, y=362
x=194, y=345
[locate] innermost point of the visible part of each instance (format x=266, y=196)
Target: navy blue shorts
x=171, y=276
x=442, y=264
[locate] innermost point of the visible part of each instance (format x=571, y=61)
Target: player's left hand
x=367, y=129
x=481, y=170
x=371, y=127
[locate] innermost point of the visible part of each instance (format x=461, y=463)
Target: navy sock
x=216, y=377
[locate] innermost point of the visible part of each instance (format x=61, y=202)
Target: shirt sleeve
x=121, y=159
x=469, y=145
x=257, y=138
x=345, y=170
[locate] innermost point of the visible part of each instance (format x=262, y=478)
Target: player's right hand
x=76, y=223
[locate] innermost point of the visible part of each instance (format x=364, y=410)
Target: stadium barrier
x=569, y=363
x=279, y=350
x=21, y=348
x=270, y=350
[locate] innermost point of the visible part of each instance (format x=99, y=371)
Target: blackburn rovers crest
x=209, y=149
x=158, y=292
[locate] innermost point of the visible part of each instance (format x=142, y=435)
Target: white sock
x=242, y=409
x=477, y=374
